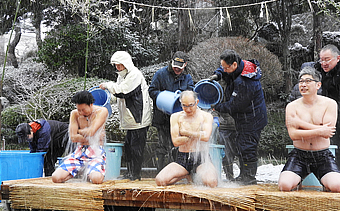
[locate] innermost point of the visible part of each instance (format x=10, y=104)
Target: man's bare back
x=319, y=113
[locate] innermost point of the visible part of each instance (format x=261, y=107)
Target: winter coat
x=166, y=79
x=330, y=82
x=50, y=131
x=131, y=92
x=244, y=96
x=41, y=138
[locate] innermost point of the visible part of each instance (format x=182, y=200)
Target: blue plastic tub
x=216, y=152
x=114, y=153
x=168, y=102
x=101, y=98
x=209, y=92
x=20, y=164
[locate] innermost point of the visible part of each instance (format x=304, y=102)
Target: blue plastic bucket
x=168, y=102
x=311, y=181
x=20, y=164
x=114, y=153
x=101, y=98
x=209, y=92
x=216, y=154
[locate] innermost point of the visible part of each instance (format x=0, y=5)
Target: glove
x=213, y=77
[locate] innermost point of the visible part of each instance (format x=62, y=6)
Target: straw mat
x=243, y=198
x=273, y=199
x=44, y=194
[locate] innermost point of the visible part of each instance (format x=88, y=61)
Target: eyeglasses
x=307, y=80
x=189, y=106
x=325, y=61
x=226, y=68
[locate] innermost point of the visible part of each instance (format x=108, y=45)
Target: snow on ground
x=269, y=173
x=265, y=173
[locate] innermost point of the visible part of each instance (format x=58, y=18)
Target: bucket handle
x=95, y=87
x=177, y=92
x=106, y=90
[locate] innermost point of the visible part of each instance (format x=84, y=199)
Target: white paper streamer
x=222, y=18
x=153, y=24
x=170, y=21
x=229, y=20
x=261, y=10
x=310, y=6
x=192, y=26
x=119, y=10
x=133, y=11
x=267, y=13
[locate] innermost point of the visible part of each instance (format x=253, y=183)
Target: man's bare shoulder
x=99, y=108
x=176, y=115
x=205, y=114
x=326, y=100
x=75, y=113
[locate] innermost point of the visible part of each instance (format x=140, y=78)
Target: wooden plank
x=146, y=200
x=173, y=205
x=161, y=199
x=4, y=192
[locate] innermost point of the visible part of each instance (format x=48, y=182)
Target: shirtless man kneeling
x=87, y=129
x=310, y=122
x=190, y=131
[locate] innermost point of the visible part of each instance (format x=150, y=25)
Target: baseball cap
x=179, y=59
x=22, y=131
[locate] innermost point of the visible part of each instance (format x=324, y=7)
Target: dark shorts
x=304, y=162
x=189, y=160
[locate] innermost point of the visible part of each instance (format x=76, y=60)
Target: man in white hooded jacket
x=134, y=104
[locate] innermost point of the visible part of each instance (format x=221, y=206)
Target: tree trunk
x=36, y=24
x=12, y=45
x=317, y=33
x=283, y=17
x=185, y=34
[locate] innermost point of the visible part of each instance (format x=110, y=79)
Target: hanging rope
x=198, y=8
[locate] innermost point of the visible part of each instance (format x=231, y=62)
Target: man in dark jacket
x=171, y=78
x=245, y=103
x=48, y=136
x=329, y=67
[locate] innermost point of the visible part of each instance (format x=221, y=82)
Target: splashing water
x=206, y=171
x=95, y=143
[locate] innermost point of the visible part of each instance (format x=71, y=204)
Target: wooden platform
x=42, y=193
